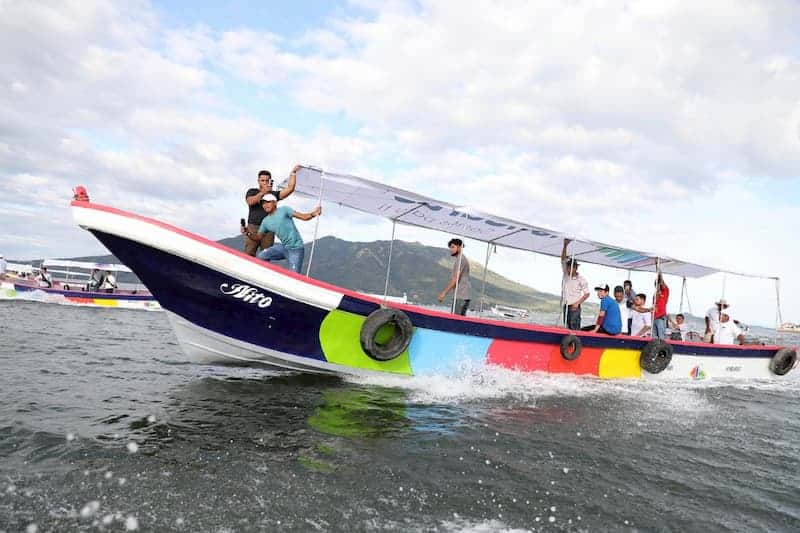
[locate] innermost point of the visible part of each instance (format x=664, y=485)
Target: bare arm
x=283, y=193
x=564, y=256
x=308, y=216
x=642, y=331
x=256, y=198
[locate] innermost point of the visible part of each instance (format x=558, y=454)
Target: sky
x=662, y=125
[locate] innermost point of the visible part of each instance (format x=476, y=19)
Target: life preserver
x=783, y=361
x=571, y=347
x=656, y=356
x=386, y=349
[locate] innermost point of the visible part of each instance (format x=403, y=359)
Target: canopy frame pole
x=389, y=264
x=458, y=276
x=316, y=225
x=724, y=282
x=391, y=251
x=655, y=294
x=778, y=317
x=485, y=269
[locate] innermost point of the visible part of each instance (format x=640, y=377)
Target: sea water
x=104, y=427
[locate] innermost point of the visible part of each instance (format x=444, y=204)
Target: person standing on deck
x=712, y=319
x=256, y=214
x=624, y=312
x=459, y=280
x=278, y=220
x=660, y=308
x=575, y=288
x=630, y=301
x=609, y=320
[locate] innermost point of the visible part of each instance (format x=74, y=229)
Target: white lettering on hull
x=246, y=293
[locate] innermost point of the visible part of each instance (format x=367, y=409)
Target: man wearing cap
x=256, y=214
x=712, y=319
x=609, y=320
x=575, y=289
x=727, y=332
x=278, y=220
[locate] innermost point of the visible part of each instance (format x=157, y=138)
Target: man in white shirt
x=624, y=312
x=727, y=331
x=575, y=287
x=712, y=319
x=641, y=317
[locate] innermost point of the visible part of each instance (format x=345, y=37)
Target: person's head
x=627, y=285
x=602, y=291
x=725, y=314
x=572, y=265
x=679, y=318
x=269, y=202
x=265, y=179
x=455, y=246
x=43, y=269
x=619, y=293
x=722, y=303
x=641, y=298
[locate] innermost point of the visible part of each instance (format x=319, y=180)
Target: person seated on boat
x=575, y=288
x=624, y=312
x=727, y=332
x=641, y=318
x=680, y=329
x=256, y=214
x=660, y=308
x=44, y=278
x=279, y=221
x=459, y=279
x=96, y=280
x=609, y=320
x=712, y=319
x=109, y=282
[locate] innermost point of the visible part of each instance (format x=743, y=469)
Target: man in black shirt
x=257, y=214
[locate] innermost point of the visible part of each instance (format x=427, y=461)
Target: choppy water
x=103, y=428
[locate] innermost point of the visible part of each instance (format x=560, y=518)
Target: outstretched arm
x=283, y=193
x=564, y=255
x=308, y=216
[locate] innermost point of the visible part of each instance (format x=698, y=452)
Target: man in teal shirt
x=279, y=221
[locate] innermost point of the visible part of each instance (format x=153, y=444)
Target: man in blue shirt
x=279, y=221
x=609, y=321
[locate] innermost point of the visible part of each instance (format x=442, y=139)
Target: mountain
x=419, y=271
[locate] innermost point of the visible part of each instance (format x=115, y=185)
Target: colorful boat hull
x=228, y=307
x=11, y=289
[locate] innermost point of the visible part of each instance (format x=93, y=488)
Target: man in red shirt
x=660, y=309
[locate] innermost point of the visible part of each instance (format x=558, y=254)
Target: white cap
x=726, y=311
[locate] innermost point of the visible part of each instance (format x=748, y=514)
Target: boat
x=227, y=307
x=70, y=287
x=789, y=327
x=506, y=311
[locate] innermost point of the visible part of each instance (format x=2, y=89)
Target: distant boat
x=72, y=287
x=789, y=327
x=226, y=306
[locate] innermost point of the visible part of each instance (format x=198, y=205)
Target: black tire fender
x=571, y=347
x=399, y=341
x=783, y=361
x=655, y=356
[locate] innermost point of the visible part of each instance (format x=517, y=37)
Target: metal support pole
x=316, y=226
x=683, y=290
x=778, y=317
x=458, y=276
x=485, y=268
x=389, y=265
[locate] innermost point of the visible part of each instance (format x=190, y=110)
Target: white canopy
x=86, y=265
x=413, y=209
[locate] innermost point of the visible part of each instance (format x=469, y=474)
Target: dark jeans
x=461, y=307
x=573, y=317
